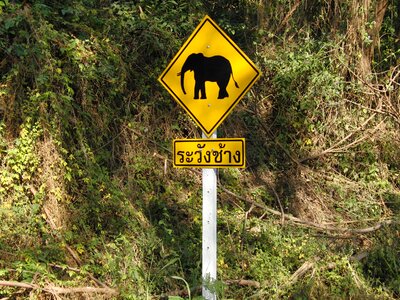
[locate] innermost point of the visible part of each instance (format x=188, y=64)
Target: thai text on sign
x=209, y=153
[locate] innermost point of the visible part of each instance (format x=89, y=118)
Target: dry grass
x=51, y=181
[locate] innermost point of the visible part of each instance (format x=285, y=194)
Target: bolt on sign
x=209, y=153
x=209, y=75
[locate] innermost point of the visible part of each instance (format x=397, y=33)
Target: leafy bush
x=383, y=265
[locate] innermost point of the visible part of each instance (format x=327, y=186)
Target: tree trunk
x=363, y=29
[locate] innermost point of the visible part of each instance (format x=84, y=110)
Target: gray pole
x=209, y=234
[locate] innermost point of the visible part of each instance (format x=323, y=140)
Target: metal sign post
x=209, y=234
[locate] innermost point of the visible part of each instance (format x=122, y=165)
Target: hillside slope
x=91, y=207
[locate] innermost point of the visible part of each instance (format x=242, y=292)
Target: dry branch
x=287, y=17
x=317, y=226
x=337, y=147
x=18, y=284
x=300, y=272
x=243, y=282
x=308, y=266
x=86, y=290
x=58, y=290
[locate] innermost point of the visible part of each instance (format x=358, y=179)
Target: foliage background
x=88, y=196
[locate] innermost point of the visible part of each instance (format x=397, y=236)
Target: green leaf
x=186, y=283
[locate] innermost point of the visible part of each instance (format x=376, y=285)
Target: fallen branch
x=300, y=272
x=59, y=290
x=19, y=284
x=317, y=226
x=310, y=265
x=243, y=282
x=86, y=290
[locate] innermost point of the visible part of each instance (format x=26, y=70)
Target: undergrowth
x=88, y=195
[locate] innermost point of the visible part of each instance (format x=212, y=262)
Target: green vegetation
x=90, y=206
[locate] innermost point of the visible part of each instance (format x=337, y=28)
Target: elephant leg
x=222, y=89
x=196, y=90
x=200, y=87
x=203, y=91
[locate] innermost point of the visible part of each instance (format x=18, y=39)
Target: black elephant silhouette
x=215, y=69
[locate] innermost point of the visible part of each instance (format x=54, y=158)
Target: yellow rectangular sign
x=209, y=153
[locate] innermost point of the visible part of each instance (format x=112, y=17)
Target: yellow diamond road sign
x=209, y=75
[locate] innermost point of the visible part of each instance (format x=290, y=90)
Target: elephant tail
x=237, y=86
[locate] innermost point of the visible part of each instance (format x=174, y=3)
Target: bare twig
x=246, y=215
x=286, y=19
x=279, y=203
x=86, y=290
x=335, y=148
